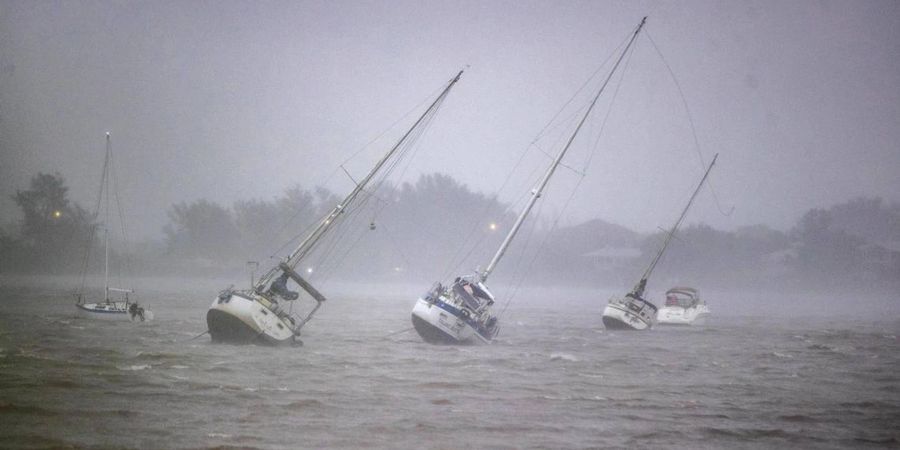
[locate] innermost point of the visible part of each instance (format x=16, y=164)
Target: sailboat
x=634, y=312
x=461, y=312
x=257, y=315
x=116, y=303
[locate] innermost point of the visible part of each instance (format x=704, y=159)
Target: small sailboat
x=633, y=312
x=257, y=315
x=461, y=312
x=683, y=307
x=116, y=303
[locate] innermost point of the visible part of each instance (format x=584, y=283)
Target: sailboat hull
x=619, y=316
x=113, y=311
x=679, y=316
x=239, y=318
x=437, y=323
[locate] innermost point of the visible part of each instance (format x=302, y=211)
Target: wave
x=303, y=404
x=563, y=357
x=441, y=385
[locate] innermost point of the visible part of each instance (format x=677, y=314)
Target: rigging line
x=452, y=264
x=126, y=261
x=94, y=225
x=612, y=102
x=297, y=211
x=451, y=267
x=351, y=157
x=398, y=332
x=520, y=273
x=691, y=122
x=391, y=126
x=586, y=82
x=552, y=230
x=579, y=172
x=396, y=246
x=411, y=136
x=337, y=264
x=334, y=241
x=449, y=272
x=411, y=146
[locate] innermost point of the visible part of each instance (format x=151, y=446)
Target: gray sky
x=230, y=100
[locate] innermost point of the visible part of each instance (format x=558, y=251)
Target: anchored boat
x=633, y=312
x=257, y=315
x=683, y=307
x=461, y=312
x=116, y=304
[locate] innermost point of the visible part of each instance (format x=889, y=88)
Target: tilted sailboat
x=633, y=312
x=462, y=312
x=256, y=315
x=110, y=308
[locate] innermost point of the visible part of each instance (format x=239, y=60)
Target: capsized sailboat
x=633, y=311
x=257, y=315
x=461, y=312
x=116, y=304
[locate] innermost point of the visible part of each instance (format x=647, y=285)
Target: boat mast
x=536, y=192
x=309, y=243
x=639, y=288
x=106, y=223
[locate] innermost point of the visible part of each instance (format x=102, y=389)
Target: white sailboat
x=461, y=312
x=256, y=315
x=633, y=312
x=116, y=304
x=683, y=307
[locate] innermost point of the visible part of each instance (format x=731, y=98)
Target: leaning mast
x=536, y=192
x=639, y=287
x=312, y=239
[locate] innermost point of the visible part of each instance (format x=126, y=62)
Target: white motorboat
x=633, y=312
x=256, y=315
x=108, y=308
x=683, y=307
x=461, y=312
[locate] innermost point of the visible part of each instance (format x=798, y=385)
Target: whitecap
x=563, y=357
x=134, y=368
x=218, y=435
x=590, y=375
x=180, y=367
x=782, y=355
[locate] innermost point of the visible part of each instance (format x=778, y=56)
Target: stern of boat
x=241, y=318
x=628, y=314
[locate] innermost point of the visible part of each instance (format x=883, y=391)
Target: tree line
x=436, y=226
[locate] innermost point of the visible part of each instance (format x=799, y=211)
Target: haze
x=235, y=100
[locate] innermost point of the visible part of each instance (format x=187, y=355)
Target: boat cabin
x=684, y=297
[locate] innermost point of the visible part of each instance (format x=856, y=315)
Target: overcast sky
x=239, y=100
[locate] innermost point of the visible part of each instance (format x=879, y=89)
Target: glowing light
x=493, y=226
x=309, y=270
x=57, y=214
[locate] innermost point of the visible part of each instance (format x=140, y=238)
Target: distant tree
x=51, y=223
x=869, y=218
x=826, y=254
x=202, y=229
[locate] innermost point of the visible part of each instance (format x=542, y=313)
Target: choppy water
x=553, y=379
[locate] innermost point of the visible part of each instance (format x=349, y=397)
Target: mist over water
x=764, y=377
